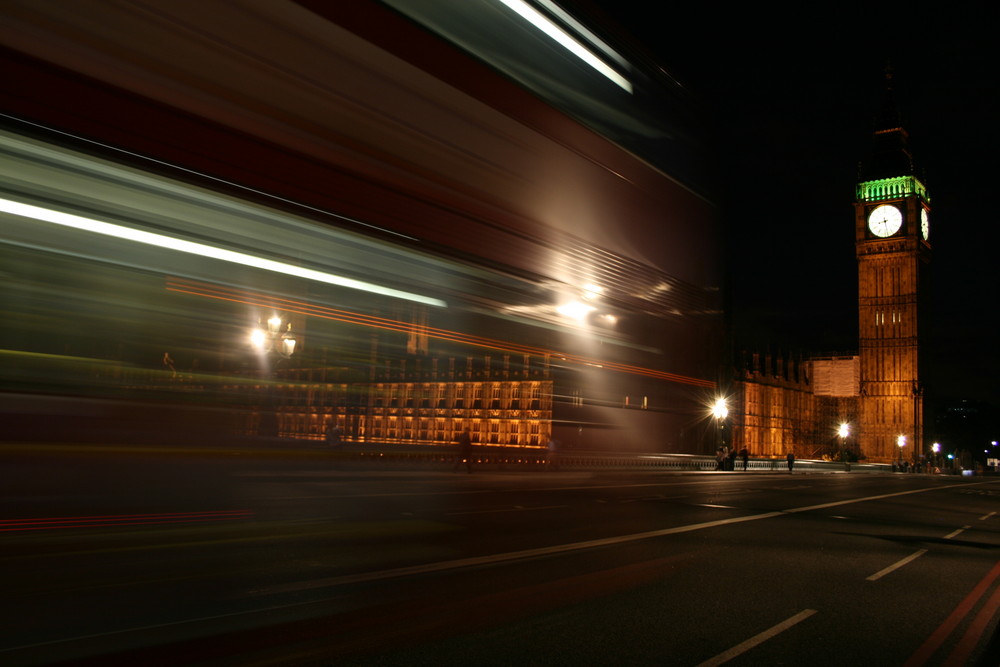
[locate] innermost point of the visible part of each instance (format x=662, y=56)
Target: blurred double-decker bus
x=389, y=222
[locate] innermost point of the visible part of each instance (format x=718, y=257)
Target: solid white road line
x=490, y=559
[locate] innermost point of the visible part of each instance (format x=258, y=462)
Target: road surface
x=184, y=557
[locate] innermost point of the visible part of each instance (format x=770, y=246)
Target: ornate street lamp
x=901, y=442
x=276, y=338
x=843, y=431
x=720, y=411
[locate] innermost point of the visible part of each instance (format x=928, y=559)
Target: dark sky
x=792, y=96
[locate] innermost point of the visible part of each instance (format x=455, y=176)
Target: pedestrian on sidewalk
x=333, y=435
x=464, y=451
x=552, y=462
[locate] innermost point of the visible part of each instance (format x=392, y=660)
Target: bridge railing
x=528, y=459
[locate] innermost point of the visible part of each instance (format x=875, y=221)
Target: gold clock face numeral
x=885, y=220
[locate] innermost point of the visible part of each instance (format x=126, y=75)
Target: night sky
x=792, y=97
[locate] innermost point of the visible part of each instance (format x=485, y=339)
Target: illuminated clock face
x=925, y=225
x=885, y=220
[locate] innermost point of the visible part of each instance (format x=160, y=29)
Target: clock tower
x=892, y=231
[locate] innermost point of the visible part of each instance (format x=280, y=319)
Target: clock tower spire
x=892, y=229
x=890, y=153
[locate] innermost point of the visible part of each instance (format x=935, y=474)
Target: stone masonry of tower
x=892, y=212
x=880, y=396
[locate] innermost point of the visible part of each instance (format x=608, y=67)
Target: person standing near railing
x=464, y=451
x=552, y=463
x=333, y=435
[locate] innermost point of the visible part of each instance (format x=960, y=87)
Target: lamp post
x=720, y=411
x=843, y=431
x=936, y=448
x=901, y=442
x=276, y=338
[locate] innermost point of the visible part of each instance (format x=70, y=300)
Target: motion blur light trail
x=303, y=308
x=12, y=525
x=567, y=41
x=190, y=247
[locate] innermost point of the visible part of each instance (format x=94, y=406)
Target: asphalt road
x=176, y=558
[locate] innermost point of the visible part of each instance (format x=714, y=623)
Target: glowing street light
x=843, y=431
x=901, y=442
x=720, y=410
x=273, y=339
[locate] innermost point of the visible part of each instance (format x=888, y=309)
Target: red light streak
x=53, y=523
x=302, y=308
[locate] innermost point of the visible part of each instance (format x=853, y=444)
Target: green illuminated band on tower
x=892, y=188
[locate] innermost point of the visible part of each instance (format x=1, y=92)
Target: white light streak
x=592, y=291
x=202, y=250
x=540, y=21
x=575, y=310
